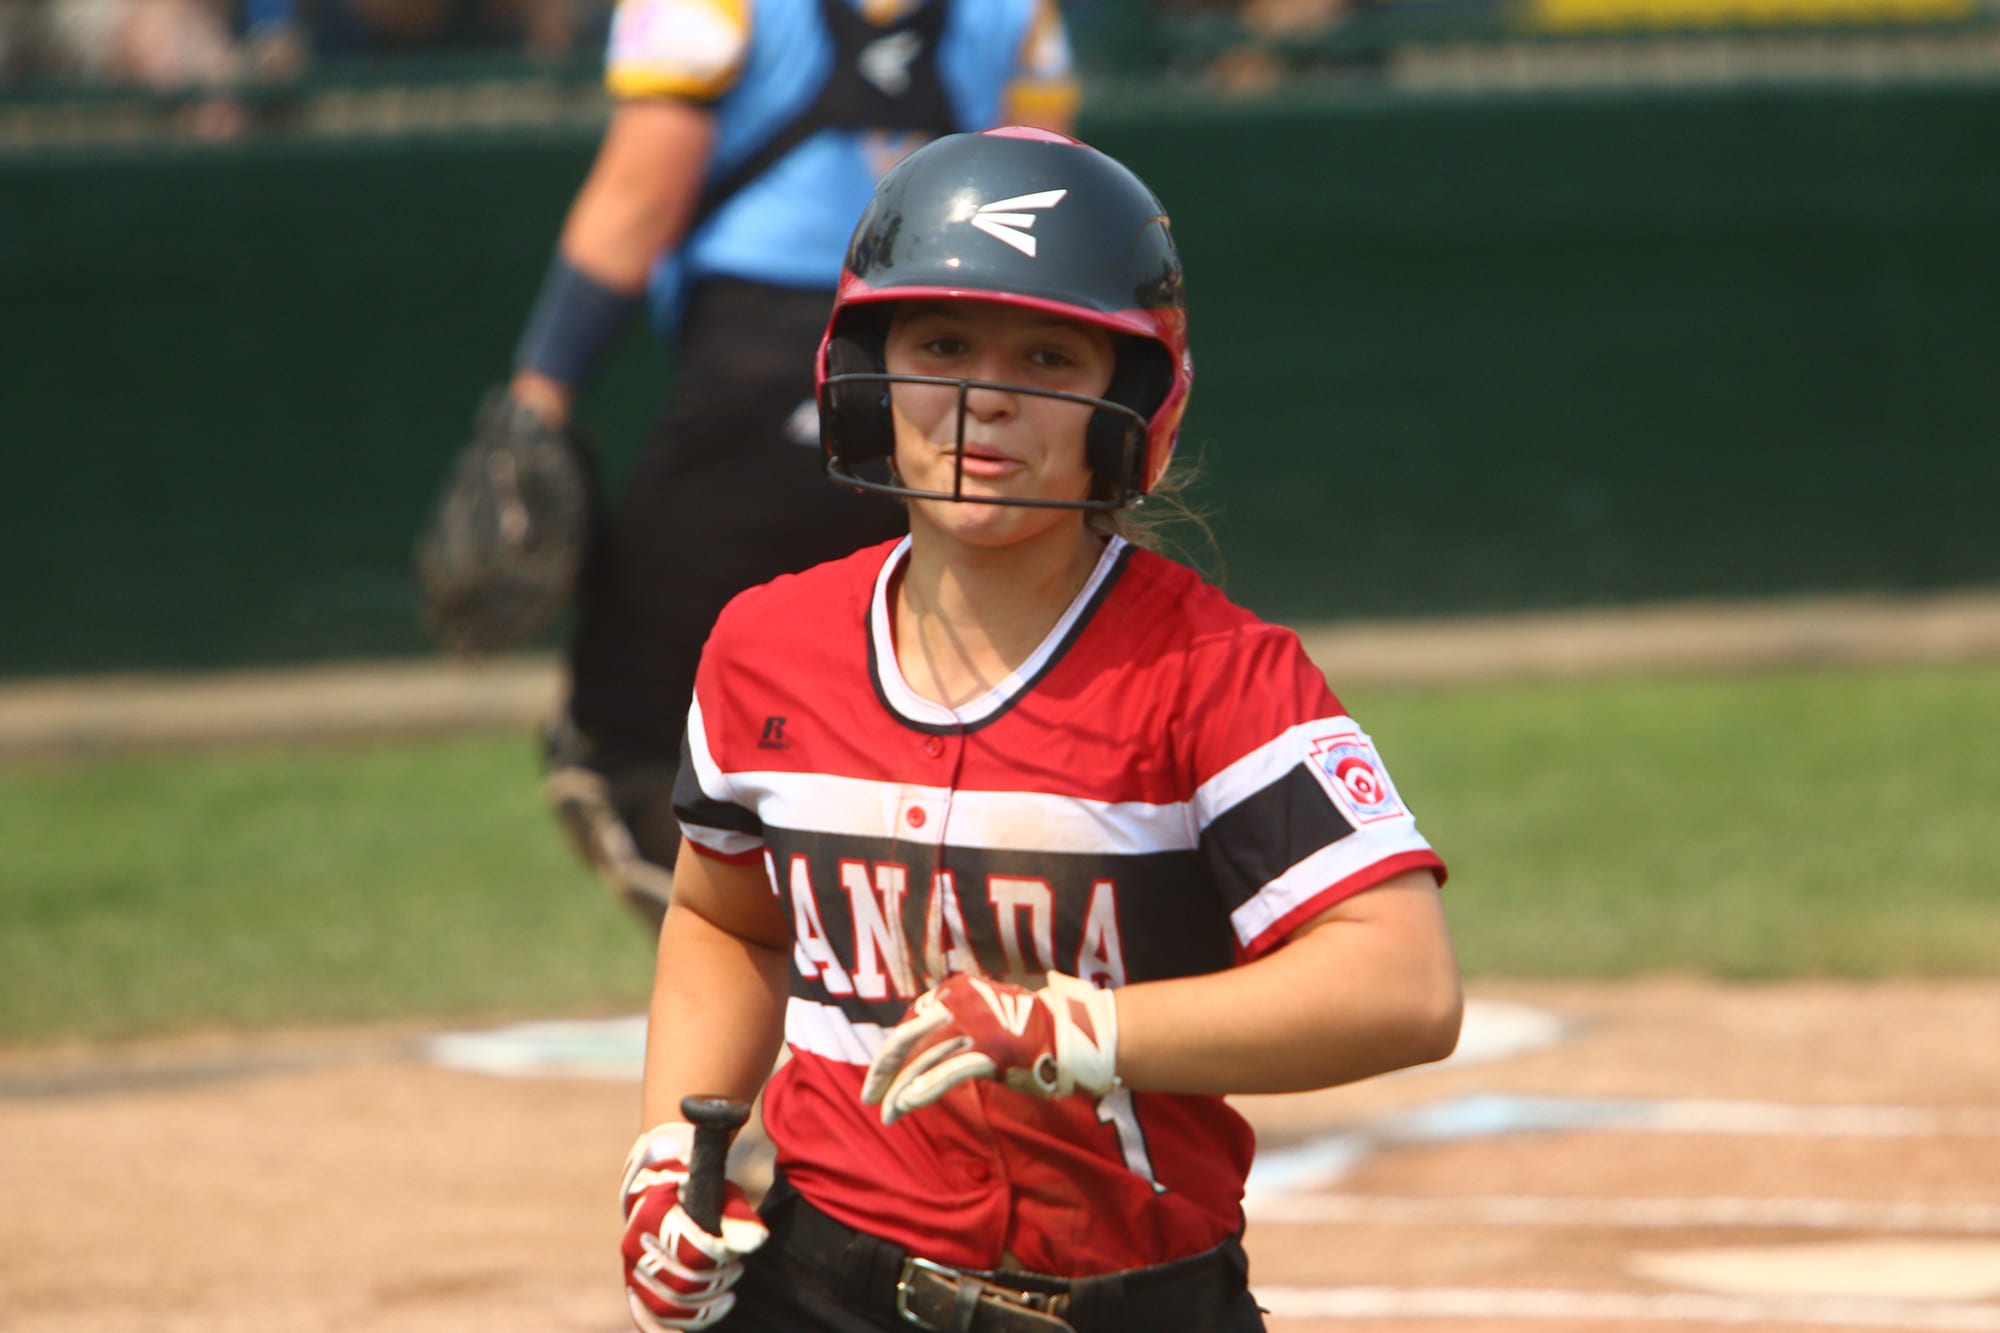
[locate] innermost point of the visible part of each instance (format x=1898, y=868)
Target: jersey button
x=934, y=746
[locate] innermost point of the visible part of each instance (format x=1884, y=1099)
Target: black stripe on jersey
x=1111, y=578
x=1169, y=921
x=1267, y=833
x=697, y=807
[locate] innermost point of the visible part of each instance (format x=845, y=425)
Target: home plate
x=1498, y=1029
x=1946, y=1270
x=607, y=1048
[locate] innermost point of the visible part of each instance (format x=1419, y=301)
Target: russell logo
x=1006, y=219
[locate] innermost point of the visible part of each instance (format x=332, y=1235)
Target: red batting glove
x=1047, y=1043
x=678, y=1276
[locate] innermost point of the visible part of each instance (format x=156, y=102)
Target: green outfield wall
x=1454, y=355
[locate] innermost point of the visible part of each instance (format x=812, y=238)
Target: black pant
x=817, y=1276
x=723, y=498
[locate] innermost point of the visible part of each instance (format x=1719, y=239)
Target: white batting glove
x=1047, y=1043
x=678, y=1276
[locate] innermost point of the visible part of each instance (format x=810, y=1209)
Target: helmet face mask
x=1113, y=441
x=1028, y=220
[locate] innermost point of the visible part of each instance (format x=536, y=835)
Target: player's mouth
x=986, y=463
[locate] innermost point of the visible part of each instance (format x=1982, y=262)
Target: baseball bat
x=715, y=1121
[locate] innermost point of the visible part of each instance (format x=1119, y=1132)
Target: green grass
x=339, y=884
x=1842, y=824
x=1834, y=824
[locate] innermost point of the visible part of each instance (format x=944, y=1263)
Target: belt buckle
x=1051, y=1307
x=903, y=1309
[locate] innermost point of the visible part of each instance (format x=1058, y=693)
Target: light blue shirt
x=790, y=226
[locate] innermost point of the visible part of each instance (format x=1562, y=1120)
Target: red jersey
x=1165, y=788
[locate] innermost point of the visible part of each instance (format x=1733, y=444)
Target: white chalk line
x=1482, y=1114
x=1698, y=1116
x=1628, y=1307
x=1966, y=1219
x=1319, y=1162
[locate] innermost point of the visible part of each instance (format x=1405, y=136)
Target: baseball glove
x=499, y=555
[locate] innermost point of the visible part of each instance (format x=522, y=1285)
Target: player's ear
x=854, y=420
x=1115, y=445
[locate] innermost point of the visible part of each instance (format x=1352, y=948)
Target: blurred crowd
x=195, y=46
x=182, y=46
x=221, y=63
x=1263, y=39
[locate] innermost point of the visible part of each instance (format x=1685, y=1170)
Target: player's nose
x=984, y=403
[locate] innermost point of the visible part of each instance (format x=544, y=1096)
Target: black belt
x=876, y=1275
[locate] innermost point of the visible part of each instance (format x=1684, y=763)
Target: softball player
x=746, y=138
x=1028, y=845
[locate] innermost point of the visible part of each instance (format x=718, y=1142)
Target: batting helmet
x=1024, y=218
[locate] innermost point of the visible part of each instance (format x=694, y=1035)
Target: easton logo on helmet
x=1003, y=221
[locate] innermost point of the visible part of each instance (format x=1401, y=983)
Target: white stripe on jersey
x=1013, y=821
x=721, y=841
x=1323, y=869
x=1265, y=765
x=716, y=786
x=1004, y=820
x=706, y=770
x=822, y=1029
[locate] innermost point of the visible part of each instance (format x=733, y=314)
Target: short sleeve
x=1294, y=806
x=690, y=49
x=716, y=819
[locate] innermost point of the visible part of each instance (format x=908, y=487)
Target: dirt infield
x=1682, y=1156
x=339, y=1182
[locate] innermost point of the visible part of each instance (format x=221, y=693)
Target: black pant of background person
x=730, y=492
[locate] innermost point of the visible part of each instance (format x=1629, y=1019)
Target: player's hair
x=1170, y=522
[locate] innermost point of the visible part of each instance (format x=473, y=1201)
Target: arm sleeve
x=689, y=49
x=1294, y=807
x=268, y=13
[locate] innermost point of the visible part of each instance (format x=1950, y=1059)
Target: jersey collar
x=927, y=715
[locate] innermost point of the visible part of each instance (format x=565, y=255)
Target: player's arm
x=1364, y=987
x=1367, y=986
x=718, y=1010
x=717, y=1018
x=634, y=205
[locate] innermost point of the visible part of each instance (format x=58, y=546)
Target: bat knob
x=715, y=1121
x=715, y=1113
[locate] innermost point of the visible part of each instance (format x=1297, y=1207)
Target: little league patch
x=1347, y=763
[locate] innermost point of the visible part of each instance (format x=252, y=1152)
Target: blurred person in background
x=17, y=22
x=542, y=28
x=174, y=47
x=746, y=137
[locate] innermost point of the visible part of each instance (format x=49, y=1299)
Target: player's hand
x=1048, y=1043
x=677, y=1275
x=551, y=400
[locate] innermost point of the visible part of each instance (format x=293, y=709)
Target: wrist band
x=572, y=323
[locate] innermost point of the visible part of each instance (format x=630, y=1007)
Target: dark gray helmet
x=1025, y=218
